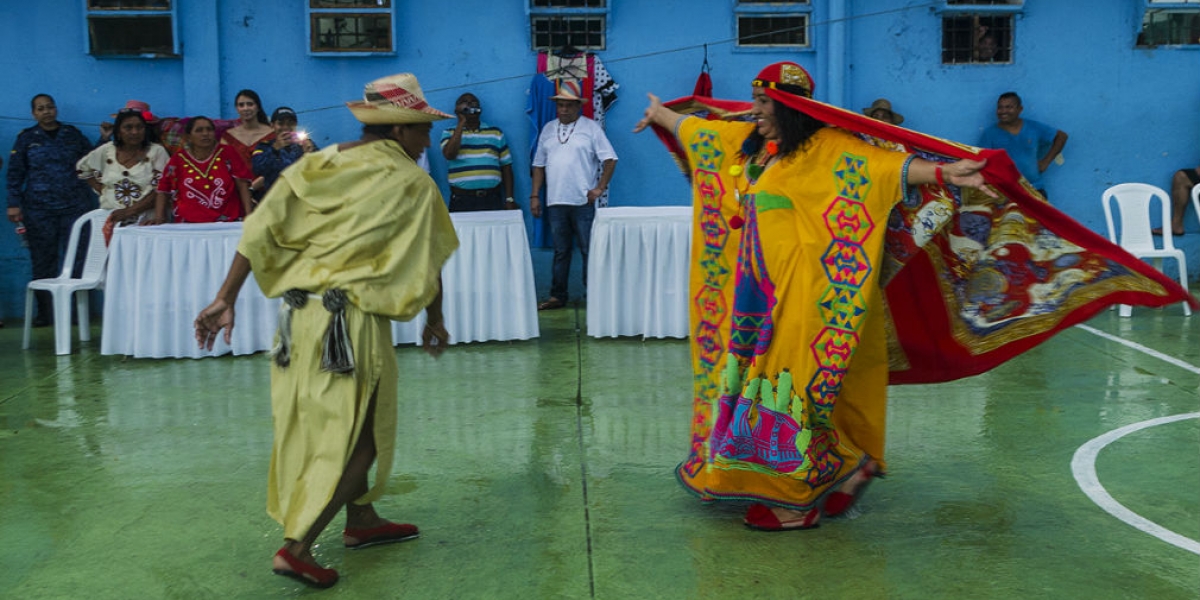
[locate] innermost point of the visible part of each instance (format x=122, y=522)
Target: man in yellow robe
x=352, y=237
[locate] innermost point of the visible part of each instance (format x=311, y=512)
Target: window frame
x=313, y=11
x=170, y=12
x=1014, y=9
x=551, y=12
x=774, y=9
x=1174, y=6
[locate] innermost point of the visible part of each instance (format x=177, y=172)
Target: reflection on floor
x=542, y=469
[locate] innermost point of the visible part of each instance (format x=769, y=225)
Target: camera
x=471, y=110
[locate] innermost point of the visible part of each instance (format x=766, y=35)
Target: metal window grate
x=349, y=32
x=775, y=30
x=557, y=31
x=1170, y=27
x=979, y=39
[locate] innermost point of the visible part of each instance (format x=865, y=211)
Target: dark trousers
x=567, y=224
x=48, y=233
x=474, y=200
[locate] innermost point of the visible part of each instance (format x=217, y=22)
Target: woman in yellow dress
x=789, y=347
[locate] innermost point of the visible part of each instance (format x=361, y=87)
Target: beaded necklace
x=568, y=129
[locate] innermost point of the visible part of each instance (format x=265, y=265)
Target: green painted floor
x=542, y=469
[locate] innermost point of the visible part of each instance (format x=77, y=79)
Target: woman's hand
x=657, y=114
x=122, y=214
x=966, y=173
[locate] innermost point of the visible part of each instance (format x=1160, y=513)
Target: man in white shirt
x=575, y=160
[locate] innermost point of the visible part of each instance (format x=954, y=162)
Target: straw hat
x=882, y=104
x=395, y=100
x=567, y=89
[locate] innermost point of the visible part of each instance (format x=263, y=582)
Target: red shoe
x=312, y=575
x=760, y=517
x=388, y=533
x=839, y=502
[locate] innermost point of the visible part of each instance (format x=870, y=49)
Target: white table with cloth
x=488, y=292
x=161, y=277
x=638, y=272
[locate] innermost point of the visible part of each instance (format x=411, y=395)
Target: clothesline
x=527, y=75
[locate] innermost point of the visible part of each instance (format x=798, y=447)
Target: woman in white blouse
x=125, y=171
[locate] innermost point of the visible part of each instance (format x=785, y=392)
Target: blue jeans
x=567, y=224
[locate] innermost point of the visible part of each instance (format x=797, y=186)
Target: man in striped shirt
x=479, y=164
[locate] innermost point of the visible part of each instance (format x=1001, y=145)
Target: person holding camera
x=272, y=156
x=479, y=165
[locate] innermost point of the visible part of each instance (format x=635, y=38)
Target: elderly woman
x=125, y=171
x=205, y=181
x=790, y=411
x=252, y=128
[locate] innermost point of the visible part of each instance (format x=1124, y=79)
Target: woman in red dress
x=205, y=181
x=252, y=128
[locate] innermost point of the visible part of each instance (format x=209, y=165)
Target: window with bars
x=580, y=24
x=773, y=23
x=979, y=31
x=1170, y=23
x=143, y=28
x=349, y=27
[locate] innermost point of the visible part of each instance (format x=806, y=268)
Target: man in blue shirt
x=1031, y=145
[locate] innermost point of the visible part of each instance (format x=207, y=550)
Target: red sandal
x=388, y=533
x=761, y=518
x=312, y=575
x=839, y=502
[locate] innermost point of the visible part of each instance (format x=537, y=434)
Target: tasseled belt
x=336, y=355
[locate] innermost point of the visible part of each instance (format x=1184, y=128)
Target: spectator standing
x=576, y=161
x=479, y=165
x=1030, y=144
x=46, y=195
x=252, y=128
x=272, y=156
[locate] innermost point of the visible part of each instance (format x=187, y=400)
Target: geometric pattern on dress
x=851, y=174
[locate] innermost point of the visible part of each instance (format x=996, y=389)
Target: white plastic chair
x=1134, y=202
x=63, y=287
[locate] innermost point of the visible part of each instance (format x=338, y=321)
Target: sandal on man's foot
x=839, y=502
x=388, y=533
x=760, y=517
x=551, y=304
x=308, y=574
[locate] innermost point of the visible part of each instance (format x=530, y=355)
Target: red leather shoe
x=388, y=533
x=839, y=502
x=761, y=518
x=305, y=573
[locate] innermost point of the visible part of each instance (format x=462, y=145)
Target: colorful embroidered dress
x=204, y=191
x=123, y=186
x=810, y=229
x=791, y=361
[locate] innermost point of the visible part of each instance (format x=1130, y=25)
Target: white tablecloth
x=638, y=272
x=159, y=278
x=488, y=283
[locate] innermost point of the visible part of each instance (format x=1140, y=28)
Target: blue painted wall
x=1131, y=113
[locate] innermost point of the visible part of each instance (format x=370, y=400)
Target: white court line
x=1083, y=466
x=1141, y=348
